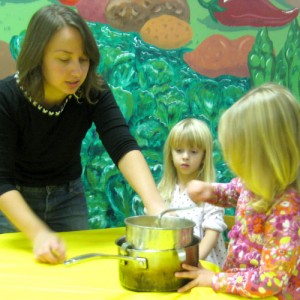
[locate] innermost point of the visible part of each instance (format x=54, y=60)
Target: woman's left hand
x=199, y=276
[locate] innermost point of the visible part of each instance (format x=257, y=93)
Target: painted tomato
x=69, y=2
x=92, y=10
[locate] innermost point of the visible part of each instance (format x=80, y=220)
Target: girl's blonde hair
x=260, y=139
x=195, y=134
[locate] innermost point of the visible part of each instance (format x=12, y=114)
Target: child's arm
x=213, y=224
x=278, y=261
x=265, y=273
x=200, y=191
x=208, y=242
x=198, y=276
x=219, y=194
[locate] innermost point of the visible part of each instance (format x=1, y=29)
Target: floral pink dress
x=264, y=251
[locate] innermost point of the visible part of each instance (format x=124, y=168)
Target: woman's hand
x=136, y=171
x=199, y=276
x=49, y=248
x=200, y=191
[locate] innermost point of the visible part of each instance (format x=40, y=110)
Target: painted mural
x=167, y=60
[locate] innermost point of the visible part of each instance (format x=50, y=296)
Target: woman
x=46, y=108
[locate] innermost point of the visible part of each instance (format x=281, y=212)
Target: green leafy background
x=155, y=89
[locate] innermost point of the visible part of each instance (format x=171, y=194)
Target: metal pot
x=155, y=233
x=158, y=276
x=148, y=270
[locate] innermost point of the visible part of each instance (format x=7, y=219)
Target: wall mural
x=165, y=61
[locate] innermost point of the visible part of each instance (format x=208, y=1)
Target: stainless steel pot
x=148, y=270
x=155, y=233
x=161, y=266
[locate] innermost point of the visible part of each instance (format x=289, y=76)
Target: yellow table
x=21, y=277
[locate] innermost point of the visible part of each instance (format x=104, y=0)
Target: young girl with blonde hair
x=187, y=156
x=260, y=139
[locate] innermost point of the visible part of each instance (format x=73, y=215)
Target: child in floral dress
x=260, y=139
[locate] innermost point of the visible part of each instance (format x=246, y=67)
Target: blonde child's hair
x=260, y=139
x=194, y=134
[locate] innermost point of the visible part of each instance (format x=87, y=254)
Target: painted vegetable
x=217, y=55
x=287, y=70
x=92, y=10
x=258, y=13
x=283, y=68
x=261, y=59
x=166, y=32
x=69, y=2
x=131, y=15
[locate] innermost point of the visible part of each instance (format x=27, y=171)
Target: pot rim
x=122, y=240
x=189, y=223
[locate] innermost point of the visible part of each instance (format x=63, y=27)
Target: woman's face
x=65, y=65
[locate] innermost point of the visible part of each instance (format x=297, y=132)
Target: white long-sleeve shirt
x=205, y=216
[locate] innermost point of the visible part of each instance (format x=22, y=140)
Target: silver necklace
x=41, y=108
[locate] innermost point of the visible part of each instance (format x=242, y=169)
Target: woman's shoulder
x=101, y=97
x=9, y=91
x=101, y=91
x=8, y=82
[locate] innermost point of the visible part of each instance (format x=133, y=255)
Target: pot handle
x=141, y=262
x=181, y=255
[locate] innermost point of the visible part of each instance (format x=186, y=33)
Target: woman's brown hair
x=43, y=24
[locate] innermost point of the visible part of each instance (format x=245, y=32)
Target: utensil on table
x=138, y=261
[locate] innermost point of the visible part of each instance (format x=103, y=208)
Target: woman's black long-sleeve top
x=37, y=149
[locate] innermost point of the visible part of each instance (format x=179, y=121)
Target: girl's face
x=187, y=161
x=65, y=65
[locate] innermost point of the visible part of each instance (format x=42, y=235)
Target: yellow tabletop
x=21, y=277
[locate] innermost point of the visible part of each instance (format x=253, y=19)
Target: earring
x=77, y=96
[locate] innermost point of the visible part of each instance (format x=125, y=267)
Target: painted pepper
x=256, y=13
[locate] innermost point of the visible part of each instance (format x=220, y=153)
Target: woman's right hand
x=200, y=191
x=48, y=247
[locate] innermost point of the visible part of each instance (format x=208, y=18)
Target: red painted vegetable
x=69, y=2
x=257, y=13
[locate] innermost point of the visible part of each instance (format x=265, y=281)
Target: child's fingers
x=187, y=287
x=190, y=275
x=189, y=267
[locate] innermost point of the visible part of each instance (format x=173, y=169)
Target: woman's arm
x=136, y=171
x=47, y=246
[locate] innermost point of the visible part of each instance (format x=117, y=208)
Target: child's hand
x=199, y=275
x=49, y=248
x=199, y=191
